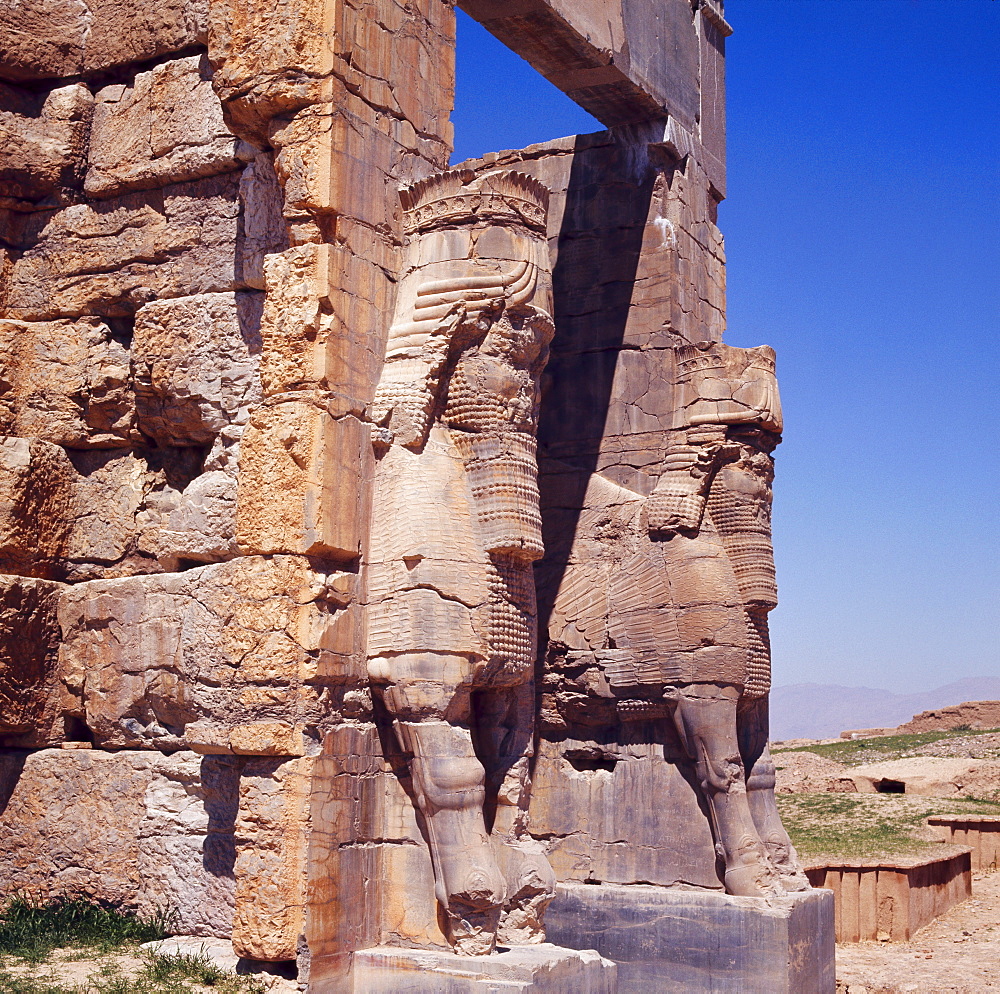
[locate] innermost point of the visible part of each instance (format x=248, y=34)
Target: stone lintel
x=622, y=62
x=688, y=942
x=540, y=969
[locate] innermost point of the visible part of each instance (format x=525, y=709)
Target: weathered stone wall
x=638, y=270
x=199, y=241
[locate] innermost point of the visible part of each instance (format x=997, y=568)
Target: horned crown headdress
x=459, y=195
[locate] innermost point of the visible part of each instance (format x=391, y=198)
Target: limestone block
x=301, y=481
x=107, y=493
x=272, y=832
x=359, y=812
x=165, y=128
x=114, y=256
x=623, y=61
x=271, y=61
x=337, y=158
x=43, y=140
x=41, y=39
x=30, y=712
x=66, y=382
x=678, y=941
x=158, y=661
x=196, y=525
x=541, y=969
x=321, y=325
x=195, y=365
x=586, y=800
x=264, y=230
x=36, y=481
x=143, y=830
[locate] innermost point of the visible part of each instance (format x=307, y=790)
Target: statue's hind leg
x=706, y=720
x=504, y=725
x=752, y=728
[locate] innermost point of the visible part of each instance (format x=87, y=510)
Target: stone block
x=195, y=365
x=36, y=488
x=42, y=39
x=166, y=127
x=113, y=256
x=980, y=832
x=272, y=832
x=301, y=482
x=541, y=969
x=271, y=62
x=67, y=382
x=587, y=798
x=625, y=62
x=679, y=941
x=322, y=325
x=141, y=830
x=30, y=708
x=338, y=158
x=43, y=140
x=197, y=525
x=187, y=658
x=107, y=493
x=263, y=230
x=890, y=899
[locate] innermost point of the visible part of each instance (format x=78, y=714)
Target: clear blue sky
x=862, y=229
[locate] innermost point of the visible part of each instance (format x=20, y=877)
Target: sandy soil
x=958, y=953
x=807, y=773
x=84, y=969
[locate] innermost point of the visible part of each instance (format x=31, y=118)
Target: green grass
x=856, y=752
x=31, y=933
x=30, y=930
x=867, y=826
x=158, y=974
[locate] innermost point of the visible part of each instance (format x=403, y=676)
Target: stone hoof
x=470, y=880
x=531, y=885
x=526, y=871
x=785, y=861
x=473, y=932
x=480, y=889
x=749, y=873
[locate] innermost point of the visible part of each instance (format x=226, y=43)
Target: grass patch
x=30, y=930
x=857, y=752
x=98, y=953
x=867, y=826
x=156, y=973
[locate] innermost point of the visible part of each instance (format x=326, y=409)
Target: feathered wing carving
x=418, y=347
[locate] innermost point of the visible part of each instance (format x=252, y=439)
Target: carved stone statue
x=455, y=529
x=669, y=594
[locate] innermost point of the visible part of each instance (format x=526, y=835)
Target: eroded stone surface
x=166, y=127
x=66, y=382
x=192, y=658
x=141, y=830
x=30, y=705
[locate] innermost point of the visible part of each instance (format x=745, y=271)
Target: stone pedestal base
x=542, y=969
x=696, y=942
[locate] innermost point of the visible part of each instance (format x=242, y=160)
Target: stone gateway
x=385, y=544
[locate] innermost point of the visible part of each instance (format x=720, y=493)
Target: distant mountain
x=822, y=711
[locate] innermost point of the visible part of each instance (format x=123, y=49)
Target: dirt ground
x=958, y=953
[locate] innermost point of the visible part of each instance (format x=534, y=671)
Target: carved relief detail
x=456, y=527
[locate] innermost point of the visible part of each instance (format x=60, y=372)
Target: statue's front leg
x=706, y=720
x=432, y=723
